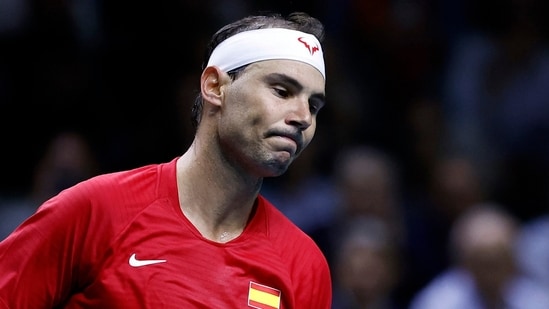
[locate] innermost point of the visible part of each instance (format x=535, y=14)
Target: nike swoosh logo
x=134, y=262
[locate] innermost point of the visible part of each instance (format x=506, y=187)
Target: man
x=484, y=273
x=193, y=232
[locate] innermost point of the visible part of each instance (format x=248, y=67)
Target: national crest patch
x=263, y=297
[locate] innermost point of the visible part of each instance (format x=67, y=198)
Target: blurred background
x=433, y=107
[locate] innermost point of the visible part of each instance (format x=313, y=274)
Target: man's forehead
x=303, y=73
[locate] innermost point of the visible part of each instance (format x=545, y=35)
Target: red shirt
x=120, y=240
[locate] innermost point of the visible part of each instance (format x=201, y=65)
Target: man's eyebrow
x=283, y=78
x=278, y=78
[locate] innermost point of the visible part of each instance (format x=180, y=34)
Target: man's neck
x=215, y=200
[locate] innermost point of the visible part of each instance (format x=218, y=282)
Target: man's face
x=269, y=115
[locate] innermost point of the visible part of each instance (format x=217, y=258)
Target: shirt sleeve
x=41, y=259
x=314, y=284
x=322, y=287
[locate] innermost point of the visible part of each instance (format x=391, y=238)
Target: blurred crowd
x=427, y=180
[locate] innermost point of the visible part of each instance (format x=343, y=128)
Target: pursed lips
x=295, y=137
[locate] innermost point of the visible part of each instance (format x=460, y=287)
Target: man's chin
x=276, y=169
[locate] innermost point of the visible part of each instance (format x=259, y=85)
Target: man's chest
x=179, y=270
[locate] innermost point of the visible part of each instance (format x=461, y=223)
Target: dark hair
x=297, y=21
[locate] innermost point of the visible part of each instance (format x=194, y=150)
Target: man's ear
x=211, y=84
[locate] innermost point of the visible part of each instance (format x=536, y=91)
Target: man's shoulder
x=453, y=288
x=127, y=175
x=136, y=179
x=138, y=186
x=287, y=234
x=278, y=221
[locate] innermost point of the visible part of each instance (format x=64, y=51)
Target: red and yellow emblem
x=263, y=297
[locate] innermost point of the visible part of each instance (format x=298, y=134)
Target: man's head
x=261, y=90
x=483, y=243
x=297, y=21
x=367, y=264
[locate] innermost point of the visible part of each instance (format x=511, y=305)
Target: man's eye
x=314, y=108
x=281, y=92
x=315, y=105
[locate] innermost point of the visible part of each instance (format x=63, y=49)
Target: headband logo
x=308, y=46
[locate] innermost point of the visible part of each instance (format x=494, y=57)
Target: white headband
x=268, y=44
